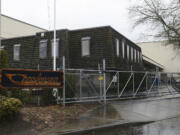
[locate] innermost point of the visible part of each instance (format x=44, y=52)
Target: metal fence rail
x=84, y=85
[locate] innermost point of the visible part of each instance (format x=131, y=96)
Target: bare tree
x=164, y=17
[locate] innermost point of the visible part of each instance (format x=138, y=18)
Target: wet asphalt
x=132, y=117
x=165, y=127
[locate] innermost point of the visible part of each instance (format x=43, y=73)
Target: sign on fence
x=13, y=78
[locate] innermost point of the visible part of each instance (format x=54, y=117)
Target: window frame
x=83, y=54
x=132, y=54
x=141, y=57
x=43, y=41
x=135, y=55
x=123, y=49
x=19, y=52
x=117, y=47
x=52, y=47
x=128, y=48
x=138, y=56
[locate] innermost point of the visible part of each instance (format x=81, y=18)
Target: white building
x=162, y=53
x=11, y=27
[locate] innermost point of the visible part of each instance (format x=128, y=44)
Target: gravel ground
x=34, y=120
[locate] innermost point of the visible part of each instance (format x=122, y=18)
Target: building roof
x=23, y=22
x=11, y=27
x=151, y=63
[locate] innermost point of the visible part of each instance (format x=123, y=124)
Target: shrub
x=4, y=59
x=24, y=96
x=9, y=108
x=3, y=92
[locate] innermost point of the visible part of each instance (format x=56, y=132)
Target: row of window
x=85, y=42
x=136, y=55
x=42, y=49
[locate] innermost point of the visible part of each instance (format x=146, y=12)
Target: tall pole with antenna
x=54, y=47
x=0, y=25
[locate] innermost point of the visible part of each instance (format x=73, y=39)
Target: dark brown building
x=83, y=49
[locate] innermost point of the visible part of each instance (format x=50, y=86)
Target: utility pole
x=54, y=47
x=0, y=30
x=0, y=25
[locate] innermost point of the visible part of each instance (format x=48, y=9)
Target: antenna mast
x=54, y=47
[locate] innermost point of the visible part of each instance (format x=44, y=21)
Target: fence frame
x=104, y=88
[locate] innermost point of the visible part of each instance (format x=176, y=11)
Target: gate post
x=104, y=69
x=64, y=88
x=133, y=82
x=80, y=83
x=146, y=82
x=118, y=84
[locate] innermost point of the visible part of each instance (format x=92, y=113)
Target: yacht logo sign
x=11, y=78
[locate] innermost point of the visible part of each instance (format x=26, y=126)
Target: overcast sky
x=75, y=14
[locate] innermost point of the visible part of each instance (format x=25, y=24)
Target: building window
x=140, y=57
x=117, y=47
x=123, y=48
x=132, y=54
x=17, y=52
x=43, y=49
x=56, y=48
x=135, y=55
x=128, y=52
x=85, y=46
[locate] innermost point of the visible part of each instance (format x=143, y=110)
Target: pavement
x=148, y=110
x=164, y=127
x=123, y=112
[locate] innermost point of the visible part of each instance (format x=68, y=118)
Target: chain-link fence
x=82, y=85
x=101, y=85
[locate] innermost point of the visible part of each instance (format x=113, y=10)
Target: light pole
x=54, y=47
x=0, y=25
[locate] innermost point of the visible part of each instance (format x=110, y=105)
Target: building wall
x=14, y=28
x=26, y=56
x=162, y=53
x=29, y=51
x=127, y=64
x=47, y=63
x=102, y=45
x=100, y=40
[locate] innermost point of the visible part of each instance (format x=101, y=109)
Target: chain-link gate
x=83, y=85
x=94, y=85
